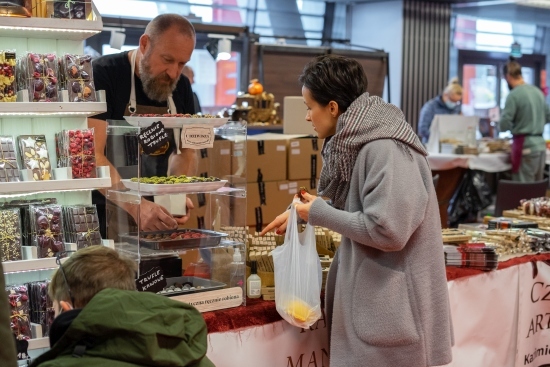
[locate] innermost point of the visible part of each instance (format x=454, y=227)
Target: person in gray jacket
x=387, y=302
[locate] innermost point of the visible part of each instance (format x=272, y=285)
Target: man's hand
x=154, y=217
x=185, y=218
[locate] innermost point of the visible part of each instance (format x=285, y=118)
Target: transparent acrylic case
x=203, y=260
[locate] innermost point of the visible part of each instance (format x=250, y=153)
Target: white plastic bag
x=298, y=275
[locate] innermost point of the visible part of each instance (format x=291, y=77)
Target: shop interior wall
x=278, y=68
x=380, y=25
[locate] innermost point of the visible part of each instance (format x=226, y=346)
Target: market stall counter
x=483, y=304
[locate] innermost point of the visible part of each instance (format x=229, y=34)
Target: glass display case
x=186, y=232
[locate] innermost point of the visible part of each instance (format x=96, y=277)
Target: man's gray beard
x=151, y=86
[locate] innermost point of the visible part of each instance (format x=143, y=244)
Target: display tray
x=158, y=189
x=204, y=285
x=175, y=122
x=211, y=239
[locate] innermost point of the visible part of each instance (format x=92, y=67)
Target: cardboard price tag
x=197, y=137
x=151, y=281
x=153, y=137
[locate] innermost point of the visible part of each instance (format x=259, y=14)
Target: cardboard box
x=266, y=200
x=262, y=157
x=304, y=158
x=215, y=161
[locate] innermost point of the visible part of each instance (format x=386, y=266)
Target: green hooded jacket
x=128, y=328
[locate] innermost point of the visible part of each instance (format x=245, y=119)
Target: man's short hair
x=163, y=22
x=89, y=271
x=512, y=68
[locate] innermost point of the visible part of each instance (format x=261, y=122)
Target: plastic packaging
x=298, y=275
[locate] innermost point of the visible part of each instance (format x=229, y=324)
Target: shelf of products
x=50, y=28
x=30, y=265
x=35, y=187
x=49, y=109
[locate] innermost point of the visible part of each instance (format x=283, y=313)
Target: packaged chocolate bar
x=41, y=305
x=8, y=82
x=76, y=149
x=504, y=223
x=69, y=9
x=77, y=75
x=34, y=156
x=38, y=73
x=10, y=234
x=9, y=170
x=19, y=311
x=82, y=225
x=24, y=214
x=15, y=8
x=47, y=229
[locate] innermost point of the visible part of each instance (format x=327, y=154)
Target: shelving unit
x=44, y=35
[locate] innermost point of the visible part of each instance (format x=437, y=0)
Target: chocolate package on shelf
x=38, y=73
x=15, y=8
x=24, y=214
x=82, y=225
x=77, y=77
x=9, y=169
x=10, y=234
x=20, y=322
x=34, y=156
x=69, y=9
x=47, y=229
x=41, y=305
x=76, y=149
x=8, y=81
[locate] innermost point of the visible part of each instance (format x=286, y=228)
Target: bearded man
x=148, y=80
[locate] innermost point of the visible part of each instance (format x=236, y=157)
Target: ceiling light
x=220, y=50
x=224, y=49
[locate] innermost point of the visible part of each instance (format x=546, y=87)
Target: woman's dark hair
x=334, y=78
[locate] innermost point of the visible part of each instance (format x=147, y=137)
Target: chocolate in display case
x=69, y=9
x=81, y=225
x=202, y=240
x=47, y=230
x=10, y=234
x=76, y=149
x=20, y=322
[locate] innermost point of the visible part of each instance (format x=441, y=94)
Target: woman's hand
x=278, y=224
x=303, y=209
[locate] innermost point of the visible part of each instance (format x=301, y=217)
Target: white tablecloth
x=488, y=162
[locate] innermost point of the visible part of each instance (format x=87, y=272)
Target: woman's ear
x=334, y=109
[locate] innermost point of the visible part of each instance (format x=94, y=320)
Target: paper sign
x=151, y=281
x=197, y=137
x=153, y=137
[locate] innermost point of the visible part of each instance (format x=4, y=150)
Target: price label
x=153, y=137
x=151, y=281
x=197, y=137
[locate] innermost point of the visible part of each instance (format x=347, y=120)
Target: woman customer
x=386, y=296
x=448, y=103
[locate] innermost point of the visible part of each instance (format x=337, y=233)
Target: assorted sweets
x=77, y=77
x=169, y=180
x=76, y=149
x=7, y=76
x=10, y=234
x=47, y=230
x=175, y=235
x=38, y=73
x=9, y=170
x=34, y=156
x=179, y=115
x=81, y=225
x=20, y=322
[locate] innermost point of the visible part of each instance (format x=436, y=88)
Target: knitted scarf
x=366, y=119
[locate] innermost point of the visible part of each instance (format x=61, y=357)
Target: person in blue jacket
x=448, y=103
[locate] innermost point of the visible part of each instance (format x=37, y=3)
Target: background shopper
x=448, y=103
x=148, y=80
x=101, y=320
x=190, y=74
x=525, y=114
x=386, y=295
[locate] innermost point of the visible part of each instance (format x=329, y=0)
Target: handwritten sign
x=153, y=137
x=197, y=137
x=151, y=281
